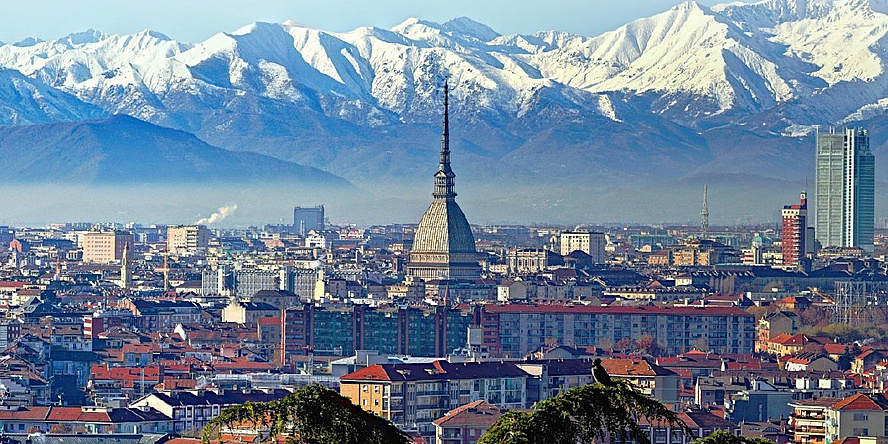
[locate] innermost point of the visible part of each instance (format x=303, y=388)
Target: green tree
x=312, y=415
x=722, y=437
x=583, y=415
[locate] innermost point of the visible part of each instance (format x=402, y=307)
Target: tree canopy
x=312, y=415
x=583, y=415
x=722, y=437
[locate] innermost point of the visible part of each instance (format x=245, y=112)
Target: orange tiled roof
x=857, y=402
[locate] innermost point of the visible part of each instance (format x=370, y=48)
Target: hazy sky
x=195, y=20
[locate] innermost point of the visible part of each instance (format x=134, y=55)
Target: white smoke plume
x=218, y=216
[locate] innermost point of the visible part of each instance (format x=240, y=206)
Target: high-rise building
x=845, y=183
x=306, y=219
x=589, y=242
x=794, y=232
x=444, y=246
x=105, y=247
x=187, y=239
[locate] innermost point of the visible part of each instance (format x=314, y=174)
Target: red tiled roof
x=479, y=414
x=857, y=402
x=77, y=414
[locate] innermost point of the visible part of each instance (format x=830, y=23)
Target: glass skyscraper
x=845, y=184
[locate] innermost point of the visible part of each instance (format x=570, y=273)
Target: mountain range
x=618, y=126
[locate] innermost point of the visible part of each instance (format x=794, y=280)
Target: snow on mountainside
x=27, y=101
x=367, y=102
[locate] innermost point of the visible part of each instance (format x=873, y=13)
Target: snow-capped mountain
x=672, y=96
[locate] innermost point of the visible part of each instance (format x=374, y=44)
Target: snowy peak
x=27, y=41
x=768, y=13
x=469, y=27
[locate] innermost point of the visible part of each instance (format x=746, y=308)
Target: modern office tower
x=444, y=246
x=794, y=232
x=306, y=219
x=845, y=183
x=187, y=239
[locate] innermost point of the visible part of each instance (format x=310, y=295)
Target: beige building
x=105, y=247
x=589, y=242
x=248, y=312
x=856, y=416
x=187, y=239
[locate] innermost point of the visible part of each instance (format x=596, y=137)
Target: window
x=861, y=417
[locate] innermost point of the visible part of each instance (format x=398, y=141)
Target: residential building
x=187, y=239
x=808, y=420
x=23, y=420
x=759, y=403
x=105, y=247
x=465, y=424
x=248, y=312
x=192, y=410
x=700, y=422
x=855, y=416
x=845, y=181
x=394, y=331
x=414, y=395
x=794, y=230
x=515, y=330
x=559, y=375
x=589, y=242
x=773, y=324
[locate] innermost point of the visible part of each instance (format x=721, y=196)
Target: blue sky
x=195, y=20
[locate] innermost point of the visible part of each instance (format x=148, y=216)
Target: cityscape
x=440, y=326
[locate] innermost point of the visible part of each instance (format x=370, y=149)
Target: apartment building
x=589, y=242
x=192, y=410
x=414, y=395
x=105, y=247
x=808, y=420
x=187, y=239
x=856, y=416
x=340, y=330
x=515, y=330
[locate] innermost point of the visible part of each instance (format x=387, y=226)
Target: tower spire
x=444, y=177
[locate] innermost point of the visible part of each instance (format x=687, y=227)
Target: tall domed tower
x=444, y=247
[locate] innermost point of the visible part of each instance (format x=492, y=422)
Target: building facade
x=444, y=246
x=307, y=219
x=105, y=247
x=794, y=230
x=515, y=330
x=845, y=183
x=589, y=242
x=187, y=239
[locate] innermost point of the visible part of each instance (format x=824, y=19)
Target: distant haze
x=195, y=20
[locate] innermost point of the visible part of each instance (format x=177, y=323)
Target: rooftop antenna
x=705, y=215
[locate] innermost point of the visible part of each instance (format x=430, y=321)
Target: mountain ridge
x=662, y=101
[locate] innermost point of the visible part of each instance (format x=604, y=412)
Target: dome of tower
x=444, y=229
